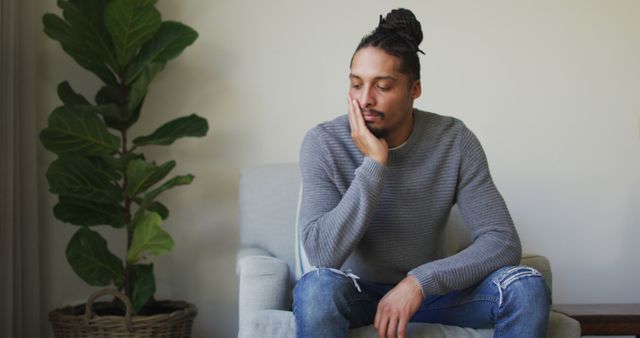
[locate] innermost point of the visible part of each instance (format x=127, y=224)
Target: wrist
x=416, y=286
x=380, y=159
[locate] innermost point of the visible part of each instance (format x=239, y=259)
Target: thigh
x=326, y=289
x=475, y=307
x=365, y=304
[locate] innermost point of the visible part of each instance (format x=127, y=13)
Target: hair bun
x=403, y=22
x=398, y=35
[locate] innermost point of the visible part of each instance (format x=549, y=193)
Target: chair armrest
x=264, y=282
x=252, y=251
x=562, y=326
x=540, y=263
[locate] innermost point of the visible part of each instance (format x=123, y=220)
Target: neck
x=401, y=135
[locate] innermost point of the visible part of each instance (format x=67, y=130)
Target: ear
x=416, y=89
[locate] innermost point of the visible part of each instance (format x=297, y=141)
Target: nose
x=367, y=98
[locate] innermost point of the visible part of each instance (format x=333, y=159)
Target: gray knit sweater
x=384, y=222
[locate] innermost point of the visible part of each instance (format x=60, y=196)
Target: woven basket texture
x=77, y=322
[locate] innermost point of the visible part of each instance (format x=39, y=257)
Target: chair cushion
x=281, y=324
x=268, y=324
x=423, y=330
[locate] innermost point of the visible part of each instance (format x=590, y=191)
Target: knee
x=524, y=286
x=319, y=291
x=320, y=284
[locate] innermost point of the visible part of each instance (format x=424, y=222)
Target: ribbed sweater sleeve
x=495, y=242
x=333, y=223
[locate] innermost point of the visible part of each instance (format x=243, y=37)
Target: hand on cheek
x=366, y=142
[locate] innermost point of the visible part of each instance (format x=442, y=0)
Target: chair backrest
x=268, y=200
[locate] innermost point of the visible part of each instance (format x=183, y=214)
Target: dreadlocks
x=398, y=34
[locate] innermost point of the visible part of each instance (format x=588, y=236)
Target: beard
x=377, y=131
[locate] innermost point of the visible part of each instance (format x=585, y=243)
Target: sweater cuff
x=372, y=169
x=427, y=282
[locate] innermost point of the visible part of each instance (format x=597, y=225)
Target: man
x=378, y=186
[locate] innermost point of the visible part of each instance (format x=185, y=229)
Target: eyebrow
x=391, y=78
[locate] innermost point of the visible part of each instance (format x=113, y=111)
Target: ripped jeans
x=514, y=301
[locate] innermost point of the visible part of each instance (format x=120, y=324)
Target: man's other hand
x=369, y=145
x=397, y=307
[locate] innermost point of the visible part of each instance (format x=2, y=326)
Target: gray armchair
x=265, y=263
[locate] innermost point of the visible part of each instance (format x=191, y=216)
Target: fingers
x=402, y=327
x=358, y=113
x=356, y=120
x=355, y=128
x=382, y=327
x=359, y=129
x=397, y=307
x=390, y=326
x=392, y=329
x=352, y=119
x=385, y=321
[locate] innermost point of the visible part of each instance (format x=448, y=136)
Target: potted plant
x=101, y=175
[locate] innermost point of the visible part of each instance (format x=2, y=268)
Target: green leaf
x=125, y=159
x=89, y=257
x=106, y=166
x=83, y=36
x=168, y=42
x=177, y=180
x=74, y=176
x=140, y=87
x=142, y=175
x=87, y=19
x=160, y=209
x=131, y=24
x=151, y=195
x=73, y=130
x=108, y=111
x=109, y=94
x=59, y=30
x=135, y=114
x=192, y=125
x=148, y=236
x=156, y=207
x=69, y=96
x=121, y=163
x=144, y=285
x=82, y=212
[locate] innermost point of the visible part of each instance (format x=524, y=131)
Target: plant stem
x=127, y=199
x=127, y=218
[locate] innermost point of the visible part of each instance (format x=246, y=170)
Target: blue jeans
x=514, y=301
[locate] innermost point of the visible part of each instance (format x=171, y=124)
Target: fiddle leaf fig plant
x=101, y=175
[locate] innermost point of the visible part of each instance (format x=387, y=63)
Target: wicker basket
x=72, y=321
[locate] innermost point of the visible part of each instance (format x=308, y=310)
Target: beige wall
x=550, y=88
